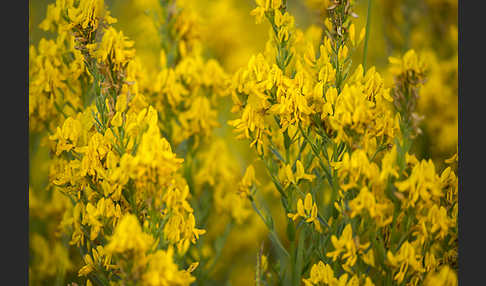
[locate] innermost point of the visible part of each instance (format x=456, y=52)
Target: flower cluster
x=390, y=216
x=159, y=154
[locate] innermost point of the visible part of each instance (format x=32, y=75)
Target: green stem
x=367, y=35
x=219, y=251
x=273, y=236
x=321, y=163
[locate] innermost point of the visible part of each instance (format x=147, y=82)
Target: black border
x=14, y=226
x=471, y=145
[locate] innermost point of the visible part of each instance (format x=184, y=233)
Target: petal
x=308, y=202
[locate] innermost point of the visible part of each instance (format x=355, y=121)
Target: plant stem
x=367, y=35
x=273, y=236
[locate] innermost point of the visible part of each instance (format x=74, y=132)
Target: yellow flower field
x=231, y=142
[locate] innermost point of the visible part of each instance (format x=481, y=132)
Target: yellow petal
x=314, y=211
x=308, y=202
x=352, y=33
x=300, y=208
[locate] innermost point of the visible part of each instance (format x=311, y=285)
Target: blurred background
x=229, y=34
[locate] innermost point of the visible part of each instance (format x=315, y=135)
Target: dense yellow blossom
x=128, y=236
x=267, y=142
x=163, y=271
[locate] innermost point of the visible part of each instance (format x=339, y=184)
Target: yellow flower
x=67, y=137
x=114, y=47
x=98, y=257
x=276, y=4
x=346, y=245
x=128, y=236
x=308, y=211
x=321, y=273
x=352, y=34
x=452, y=160
x=163, y=271
x=259, y=13
x=88, y=14
x=353, y=167
x=342, y=53
x=117, y=120
x=422, y=184
x=388, y=165
x=409, y=63
x=445, y=276
x=405, y=257
x=294, y=178
x=200, y=118
x=251, y=125
x=247, y=181
x=291, y=106
x=366, y=200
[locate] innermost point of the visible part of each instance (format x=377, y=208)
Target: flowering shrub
x=305, y=163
